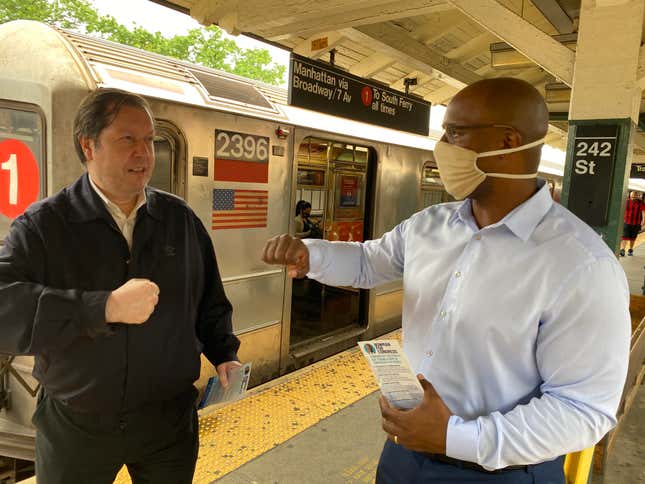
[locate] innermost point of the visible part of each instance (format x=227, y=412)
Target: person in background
x=114, y=287
x=303, y=223
x=633, y=222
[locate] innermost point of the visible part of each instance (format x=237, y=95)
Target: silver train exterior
x=45, y=73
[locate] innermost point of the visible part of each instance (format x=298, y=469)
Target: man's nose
x=143, y=148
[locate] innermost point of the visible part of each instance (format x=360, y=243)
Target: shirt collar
x=522, y=220
x=112, y=207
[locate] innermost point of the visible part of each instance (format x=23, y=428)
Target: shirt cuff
x=462, y=438
x=315, y=255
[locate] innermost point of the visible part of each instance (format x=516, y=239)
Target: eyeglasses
x=454, y=132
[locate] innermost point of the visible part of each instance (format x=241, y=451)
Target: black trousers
x=158, y=443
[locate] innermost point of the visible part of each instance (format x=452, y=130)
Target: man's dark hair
x=97, y=112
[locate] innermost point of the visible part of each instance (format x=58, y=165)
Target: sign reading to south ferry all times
x=323, y=88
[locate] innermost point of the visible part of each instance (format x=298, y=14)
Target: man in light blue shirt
x=515, y=313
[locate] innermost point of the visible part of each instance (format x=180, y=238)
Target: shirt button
x=442, y=314
x=478, y=237
x=457, y=274
x=429, y=353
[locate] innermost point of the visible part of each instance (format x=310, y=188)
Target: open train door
x=336, y=178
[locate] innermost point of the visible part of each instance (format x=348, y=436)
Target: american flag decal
x=239, y=209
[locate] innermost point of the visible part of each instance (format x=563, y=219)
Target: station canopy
x=432, y=47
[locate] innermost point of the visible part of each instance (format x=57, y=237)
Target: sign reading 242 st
x=323, y=88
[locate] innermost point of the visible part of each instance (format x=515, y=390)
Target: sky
x=154, y=17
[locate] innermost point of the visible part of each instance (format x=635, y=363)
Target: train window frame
x=170, y=132
x=43, y=163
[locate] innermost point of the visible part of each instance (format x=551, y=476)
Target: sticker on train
x=19, y=178
x=239, y=209
x=241, y=157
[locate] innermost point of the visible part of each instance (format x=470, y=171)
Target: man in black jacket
x=114, y=287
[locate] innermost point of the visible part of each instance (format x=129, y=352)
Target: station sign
x=326, y=89
x=591, y=175
x=637, y=171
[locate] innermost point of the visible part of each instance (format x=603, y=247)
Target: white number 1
x=12, y=167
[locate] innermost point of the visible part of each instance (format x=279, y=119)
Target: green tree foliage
x=204, y=46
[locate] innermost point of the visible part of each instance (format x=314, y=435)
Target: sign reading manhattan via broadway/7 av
x=325, y=89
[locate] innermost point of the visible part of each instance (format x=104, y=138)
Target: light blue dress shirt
x=523, y=326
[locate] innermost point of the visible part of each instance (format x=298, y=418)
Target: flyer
x=399, y=385
x=238, y=381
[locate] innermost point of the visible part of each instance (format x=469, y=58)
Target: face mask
x=458, y=167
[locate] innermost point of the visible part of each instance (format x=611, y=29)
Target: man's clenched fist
x=132, y=303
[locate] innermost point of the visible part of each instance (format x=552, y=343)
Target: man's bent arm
x=582, y=355
x=34, y=317
x=356, y=264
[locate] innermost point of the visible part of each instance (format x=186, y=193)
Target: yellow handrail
x=577, y=465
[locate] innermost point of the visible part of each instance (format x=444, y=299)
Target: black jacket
x=61, y=260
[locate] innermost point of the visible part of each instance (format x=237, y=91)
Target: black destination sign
x=637, y=171
x=591, y=177
x=323, y=88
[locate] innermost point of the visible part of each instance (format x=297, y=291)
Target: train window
x=164, y=169
x=22, y=133
x=432, y=191
x=342, y=152
x=360, y=154
x=430, y=174
x=311, y=176
x=318, y=151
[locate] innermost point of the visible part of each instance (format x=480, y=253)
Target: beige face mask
x=459, y=171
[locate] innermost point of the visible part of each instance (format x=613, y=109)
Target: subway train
x=242, y=159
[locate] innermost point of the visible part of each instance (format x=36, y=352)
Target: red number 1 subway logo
x=239, y=209
x=19, y=178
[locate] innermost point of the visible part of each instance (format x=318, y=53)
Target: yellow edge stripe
x=273, y=413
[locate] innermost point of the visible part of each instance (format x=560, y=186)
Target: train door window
x=432, y=190
x=22, y=141
x=170, y=159
x=335, y=178
x=162, y=177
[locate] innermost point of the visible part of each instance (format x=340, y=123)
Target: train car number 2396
x=230, y=145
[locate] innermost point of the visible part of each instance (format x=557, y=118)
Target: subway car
x=242, y=159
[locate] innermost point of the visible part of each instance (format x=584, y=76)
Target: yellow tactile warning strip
x=363, y=471
x=237, y=433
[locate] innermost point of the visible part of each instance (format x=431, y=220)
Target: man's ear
x=88, y=146
x=512, y=138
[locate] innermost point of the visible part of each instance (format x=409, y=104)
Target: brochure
x=399, y=385
x=238, y=381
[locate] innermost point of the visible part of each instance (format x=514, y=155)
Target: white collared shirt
x=125, y=223
x=522, y=327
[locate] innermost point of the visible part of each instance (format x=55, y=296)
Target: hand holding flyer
x=399, y=385
x=238, y=381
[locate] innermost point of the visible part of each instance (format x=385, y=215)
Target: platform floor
x=634, y=266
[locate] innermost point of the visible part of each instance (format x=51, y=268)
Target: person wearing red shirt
x=632, y=222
